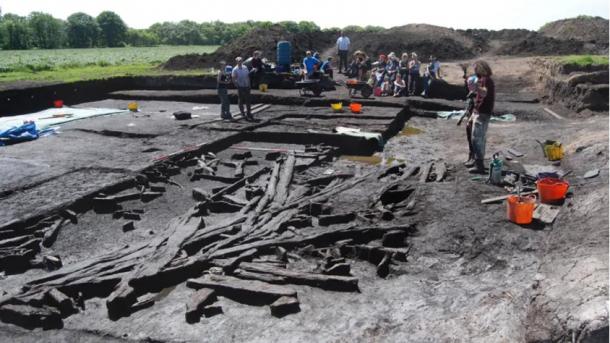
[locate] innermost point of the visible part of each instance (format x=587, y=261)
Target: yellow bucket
x=262, y=87
x=132, y=106
x=553, y=150
x=337, y=107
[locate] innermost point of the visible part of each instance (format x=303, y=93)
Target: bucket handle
x=542, y=146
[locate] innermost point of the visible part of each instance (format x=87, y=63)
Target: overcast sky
x=489, y=14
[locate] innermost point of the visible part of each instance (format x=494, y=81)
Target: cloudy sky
x=489, y=14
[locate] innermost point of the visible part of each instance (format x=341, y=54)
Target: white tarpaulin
x=55, y=116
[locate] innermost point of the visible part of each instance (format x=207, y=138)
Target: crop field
x=38, y=60
x=78, y=64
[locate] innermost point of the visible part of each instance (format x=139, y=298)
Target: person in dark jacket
x=257, y=69
x=483, y=109
x=224, y=80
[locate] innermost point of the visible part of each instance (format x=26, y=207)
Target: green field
x=80, y=64
x=583, y=60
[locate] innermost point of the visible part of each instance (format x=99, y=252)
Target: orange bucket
x=552, y=190
x=355, y=107
x=520, y=210
x=58, y=103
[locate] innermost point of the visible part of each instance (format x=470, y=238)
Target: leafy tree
x=373, y=28
x=136, y=37
x=112, y=28
x=187, y=33
x=307, y=26
x=83, y=30
x=47, y=32
x=15, y=32
x=289, y=26
x=353, y=28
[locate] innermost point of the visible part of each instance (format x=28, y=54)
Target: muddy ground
x=470, y=275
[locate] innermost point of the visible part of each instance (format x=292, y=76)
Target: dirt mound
x=423, y=39
x=583, y=28
x=534, y=44
x=264, y=40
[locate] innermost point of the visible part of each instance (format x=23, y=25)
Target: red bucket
x=58, y=103
x=520, y=210
x=552, y=190
x=355, y=107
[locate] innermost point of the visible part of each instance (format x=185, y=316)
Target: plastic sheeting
x=55, y=116
x=27, y=127
x=457, y=114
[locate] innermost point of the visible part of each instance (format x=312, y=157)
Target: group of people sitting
x=390, y=75
x=313, y=65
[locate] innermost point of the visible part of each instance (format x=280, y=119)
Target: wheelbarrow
x=309, y=86
x=315, y=86
x=355, y=86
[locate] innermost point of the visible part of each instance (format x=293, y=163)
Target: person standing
x=483, y=109
x=224, y=79
x=257, y=69
x=343, y=44
x=432, y=73
x=413, y=73
x=241, y=80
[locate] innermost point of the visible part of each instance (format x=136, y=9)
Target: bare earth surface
x=470, y=275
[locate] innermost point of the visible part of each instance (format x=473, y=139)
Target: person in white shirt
x=343, y=44
x=241, y=80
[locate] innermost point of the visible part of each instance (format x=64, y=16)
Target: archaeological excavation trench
x=138, y=227
x=243, y=217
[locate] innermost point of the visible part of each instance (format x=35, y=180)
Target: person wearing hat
x=224, y=79
x=241, y=80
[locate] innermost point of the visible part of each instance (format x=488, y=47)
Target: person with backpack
x=481, y=115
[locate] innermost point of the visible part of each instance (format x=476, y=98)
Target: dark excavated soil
x=471, y=276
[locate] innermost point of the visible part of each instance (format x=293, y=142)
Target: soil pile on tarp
x=586, y=29
x=264, y=40
x=534, y=44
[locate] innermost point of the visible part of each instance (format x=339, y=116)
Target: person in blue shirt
x=309, y=63
x=327, y=67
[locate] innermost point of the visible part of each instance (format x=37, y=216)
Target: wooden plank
x=284, y=306
x=283, y=184
x=549, y=111
x=196, y=305
x=331, y=282
x=229, y=284
x=440, y=170
x=425, y=173
x=504, y=197
x=546, y=213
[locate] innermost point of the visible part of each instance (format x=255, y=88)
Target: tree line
x=80, y=30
